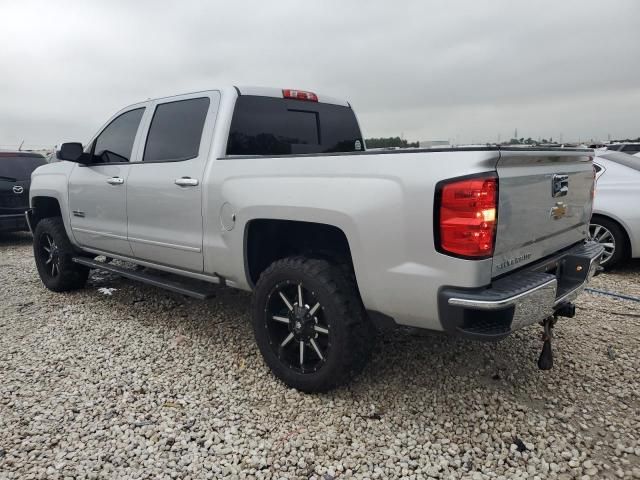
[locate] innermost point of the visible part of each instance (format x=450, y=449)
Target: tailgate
x=544, y=204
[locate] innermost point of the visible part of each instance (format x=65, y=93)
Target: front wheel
x=53, y=254
x=310, y=325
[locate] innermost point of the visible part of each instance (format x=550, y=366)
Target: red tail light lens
x=466, y=215
x=299, y=95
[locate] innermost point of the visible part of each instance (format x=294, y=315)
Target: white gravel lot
x=123, y=381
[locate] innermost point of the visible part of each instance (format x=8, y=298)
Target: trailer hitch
x=545, y=362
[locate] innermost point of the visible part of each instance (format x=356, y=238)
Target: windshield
x=18, y=166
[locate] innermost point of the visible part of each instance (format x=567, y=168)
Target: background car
x=15, y=179
x=616, y=217
x=630, y=148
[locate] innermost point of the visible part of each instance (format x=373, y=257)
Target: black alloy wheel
x=49, y=255
x=53, y=253
x=298, y=333
x=310, y=324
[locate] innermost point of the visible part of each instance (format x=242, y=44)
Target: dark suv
x=15, y=179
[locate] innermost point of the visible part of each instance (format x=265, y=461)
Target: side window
x=115, y=142
x=175, y=131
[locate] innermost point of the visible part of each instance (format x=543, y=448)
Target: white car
x=616, y=217
x=631, y=148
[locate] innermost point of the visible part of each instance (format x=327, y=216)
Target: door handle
x=186, y=182
x=115, y=181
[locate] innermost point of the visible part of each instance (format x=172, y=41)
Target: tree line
x=387, y=142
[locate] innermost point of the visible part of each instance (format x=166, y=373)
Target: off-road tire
x=352, y=335
x=67, y=275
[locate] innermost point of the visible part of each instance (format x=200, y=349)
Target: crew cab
x=271, y=190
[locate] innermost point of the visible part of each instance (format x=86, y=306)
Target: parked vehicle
x=15, y=179
x=271, y=190
x=629, y=148
x=616, y=217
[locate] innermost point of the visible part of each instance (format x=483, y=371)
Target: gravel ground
x=122, y=380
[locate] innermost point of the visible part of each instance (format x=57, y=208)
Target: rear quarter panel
x=382, y=202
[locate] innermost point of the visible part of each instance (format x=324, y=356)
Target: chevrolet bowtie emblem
x=559, y=211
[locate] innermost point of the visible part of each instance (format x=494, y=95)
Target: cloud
x=470, y=70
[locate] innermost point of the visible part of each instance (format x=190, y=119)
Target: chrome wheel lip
x=295, y=327
x=602, y=235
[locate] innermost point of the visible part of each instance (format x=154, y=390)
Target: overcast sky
x=461, y=70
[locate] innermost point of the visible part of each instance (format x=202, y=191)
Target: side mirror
x=71, y=151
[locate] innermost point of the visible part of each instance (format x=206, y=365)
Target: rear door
x=164, y=189
x=97, y=192
x=545, y=201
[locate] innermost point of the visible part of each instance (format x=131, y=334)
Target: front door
x=164, y=190
x=97, y=191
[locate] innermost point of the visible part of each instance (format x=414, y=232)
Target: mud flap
x=545, y=362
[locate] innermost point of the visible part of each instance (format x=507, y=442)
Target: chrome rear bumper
x=522, y=298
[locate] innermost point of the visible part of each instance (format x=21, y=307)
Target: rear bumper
x=12, y=223
x=519, y=299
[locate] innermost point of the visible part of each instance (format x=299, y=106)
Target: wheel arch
x=45, y=207
x=268, y=239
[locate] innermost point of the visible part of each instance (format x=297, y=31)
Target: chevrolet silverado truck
x=272, y=191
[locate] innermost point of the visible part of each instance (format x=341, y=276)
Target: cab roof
x=278, y=93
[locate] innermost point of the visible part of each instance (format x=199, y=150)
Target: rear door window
x=19, y=167
x=176, y=130
x=278, y=126
x=115, y=142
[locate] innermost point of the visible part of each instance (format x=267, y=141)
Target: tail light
x=466, y=214
x=299, y=95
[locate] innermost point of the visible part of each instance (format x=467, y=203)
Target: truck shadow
x=15, y=238
x=628, y=266
x=402, y=360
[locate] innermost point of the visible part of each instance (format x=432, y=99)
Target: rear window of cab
x=280, y=126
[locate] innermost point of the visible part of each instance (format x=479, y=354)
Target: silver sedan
x=616, y=214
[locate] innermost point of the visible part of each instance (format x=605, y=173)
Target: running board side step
x=201, y=292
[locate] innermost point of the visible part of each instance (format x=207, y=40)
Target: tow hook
x=545, y=362
x=566, y=310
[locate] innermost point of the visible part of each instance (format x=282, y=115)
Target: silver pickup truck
x=272, y=191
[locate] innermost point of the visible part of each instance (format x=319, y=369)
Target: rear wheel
x=53, y=254
x=310, y=325
x=611, y=236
